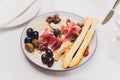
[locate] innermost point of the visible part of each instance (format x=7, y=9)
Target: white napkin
x=9, y=9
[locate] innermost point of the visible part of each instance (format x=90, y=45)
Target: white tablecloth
x=104, y=65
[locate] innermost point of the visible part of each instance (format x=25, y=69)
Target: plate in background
x=11, y=9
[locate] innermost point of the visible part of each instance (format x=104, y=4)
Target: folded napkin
x=10, y=9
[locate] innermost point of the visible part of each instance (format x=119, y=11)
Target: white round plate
x=14, y=9
x=57, y=65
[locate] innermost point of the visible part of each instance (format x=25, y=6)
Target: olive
x=57, y=32
x=50, y=61
x=53, y=20
x=35, y=34
x=49, y=19
x=35, y=43
x=44, y=59
x=29, y=32
x=57, y=20
x=29, y=47
x=49, y=52
x=28, y=39
x=56, y=16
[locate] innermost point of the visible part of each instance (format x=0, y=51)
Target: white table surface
x=104, y=65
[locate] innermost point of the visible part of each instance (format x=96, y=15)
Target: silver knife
x=111, y=12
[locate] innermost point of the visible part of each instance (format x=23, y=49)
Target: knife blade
x=110, y=13
x=108, y=17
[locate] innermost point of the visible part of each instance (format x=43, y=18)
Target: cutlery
x=111, y=13
x=4, y=25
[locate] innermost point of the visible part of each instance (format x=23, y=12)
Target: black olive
x=44, y=59
x=49, y=52
x=57, y=32
x=35, y=34
x=50, y=61
x=29, y=32
x=28, y=40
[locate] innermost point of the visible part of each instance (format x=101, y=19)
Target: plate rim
x=95, y=34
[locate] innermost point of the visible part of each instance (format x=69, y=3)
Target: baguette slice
x=69, y=56
x=79, y=55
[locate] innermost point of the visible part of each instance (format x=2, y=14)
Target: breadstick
x=62, y=49
x=79, y=55
x=66, y=52
x=69, y=56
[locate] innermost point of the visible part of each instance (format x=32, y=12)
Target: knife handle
x=116, y=3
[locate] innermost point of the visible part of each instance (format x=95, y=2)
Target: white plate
x=11, y=9
x=57, y=65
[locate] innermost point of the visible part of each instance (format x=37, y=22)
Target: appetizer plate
x=36, y=59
